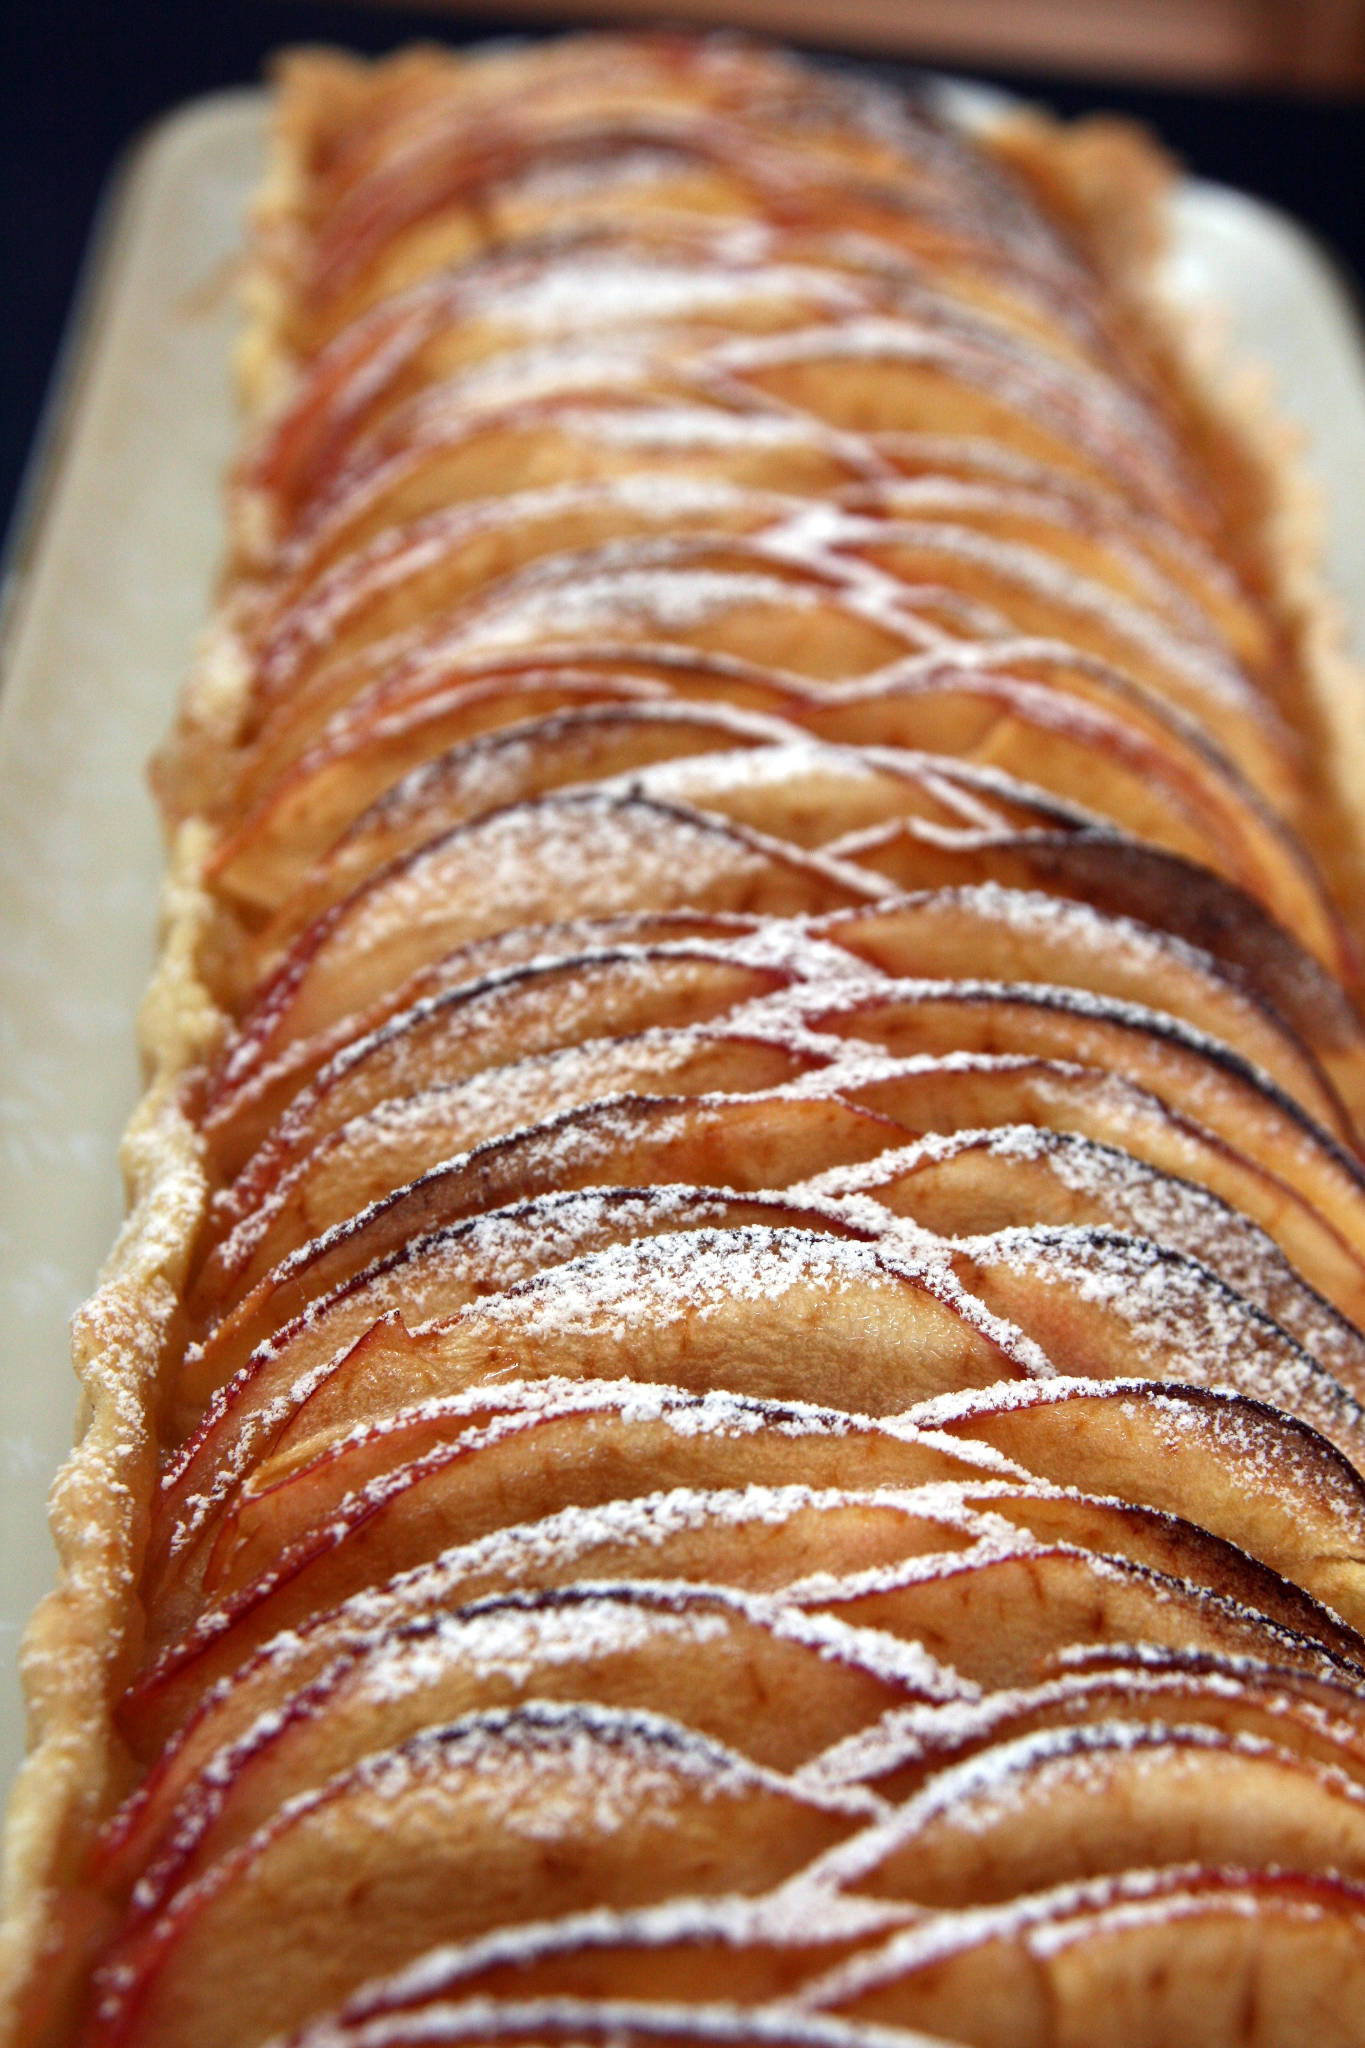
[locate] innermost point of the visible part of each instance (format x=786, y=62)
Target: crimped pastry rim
x=1116, y=181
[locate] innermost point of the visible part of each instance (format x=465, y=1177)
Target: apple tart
x=732, y=1409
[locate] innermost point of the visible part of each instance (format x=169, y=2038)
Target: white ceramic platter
x=112, y=581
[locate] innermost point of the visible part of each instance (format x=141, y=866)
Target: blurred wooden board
x=1305, y=45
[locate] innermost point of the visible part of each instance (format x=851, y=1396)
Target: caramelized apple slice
x=741, y=1948
x=1011, y=935
x=1061, y=1805
x=712, y=1660
x=1150, y=778
x=995, y=1608
x=1261, y=1959
x=1316, y=1719
x=1247, y=1472
x=461, y=1828
x=246, y=1090
x=1101, y=1302
x=539, y=1446
x=1059, y=1096
x=1189, y=1072
x=267, y=861
x=566, y=855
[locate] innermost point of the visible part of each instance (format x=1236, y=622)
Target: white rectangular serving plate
x=110, y=584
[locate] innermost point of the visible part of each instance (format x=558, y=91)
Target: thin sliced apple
x=1012, y=935
x=769, y=1308
x=1104, y=1303
x=976, y=1182
x=457, y=1830
x=1317, y=1720
x=1188, y=1071
x=584, y=855
x=745, y=1949
x=377, y=813
x=1060, y=1805
x=1258, y=1959
x=996, y=1610
x=489, y=1023
x=1247, y=1472
x=245, y=1091
x=537, y=1446
x=1062, y=1097
x=507, y=1099
x=757, y=771
x=712, y=1660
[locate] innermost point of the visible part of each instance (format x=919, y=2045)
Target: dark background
x=80, y=78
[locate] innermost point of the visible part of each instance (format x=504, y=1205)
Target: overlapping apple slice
x=937, y=1091
x=597, y=1441
x=1263, y=1958
x=756, y=769
x=1317, y=1719
x=975, y=1182
x=1064, y=1097
x=584, y=854
x=996, y=1602
x=1012, y=935
x=1242, y=1469
x=1139, y=767
x=486, y=1021
x=1183, y=1067
x=246, y=1089
x=744, y=1949
x=710, y=1658
x=1021, y=1815
x=470, y=1825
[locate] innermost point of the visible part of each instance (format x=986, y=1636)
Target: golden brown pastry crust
x=1107, y=184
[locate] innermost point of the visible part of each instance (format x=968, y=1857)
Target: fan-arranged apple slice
x=758, y=772
x=1142, y=772
x=744, y=1949
x=976, y=1182
x=1318, y=1720
x=269, y=863
x=525, y=1449
x=1099, y=1299
x=1007, y=935
x=246, y=1089
x=1243, y=1470
x=1188, y=1071
x=296, y=1528
x=494, y=1019
x=1023, y=1815
x=1259, y=1958
x=281, y=1403
x=524, y=1094
x=1052, y=1095
x=492, y=1022
x=586, y=854
x=707, y=1658
x=974, y=1588
x=463, y=1827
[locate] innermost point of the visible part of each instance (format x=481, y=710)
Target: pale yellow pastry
x=732, y=1408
